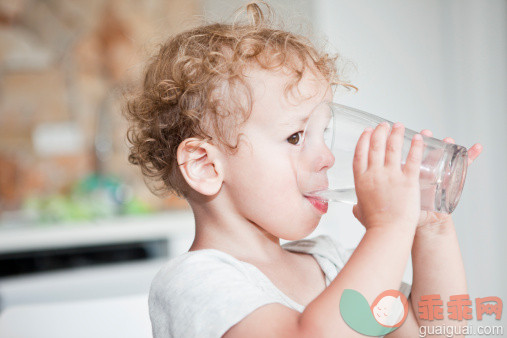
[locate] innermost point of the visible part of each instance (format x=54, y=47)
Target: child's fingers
x=376, y=157
x=394, y=146
x=413, y=163
x=426, y=132
x=360, y=163
x=473, y=152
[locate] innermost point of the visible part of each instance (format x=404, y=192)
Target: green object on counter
x=137, y=207
x=93, y=197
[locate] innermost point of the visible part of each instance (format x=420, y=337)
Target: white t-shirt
x=203, y=293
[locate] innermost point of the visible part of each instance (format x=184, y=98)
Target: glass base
x=453, y=182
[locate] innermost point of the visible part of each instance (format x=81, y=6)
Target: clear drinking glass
x=334, y=129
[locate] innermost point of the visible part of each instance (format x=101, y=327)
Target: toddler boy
x=219, y=122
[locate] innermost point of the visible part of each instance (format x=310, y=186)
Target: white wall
x=439, y=65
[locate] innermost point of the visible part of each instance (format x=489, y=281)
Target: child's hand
x=388, y=195
x=429, y=218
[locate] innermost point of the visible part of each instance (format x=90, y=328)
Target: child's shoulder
x=196, y=263
x=203, y=293
x=215, y=266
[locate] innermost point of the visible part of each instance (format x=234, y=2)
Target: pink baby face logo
x=390, y=308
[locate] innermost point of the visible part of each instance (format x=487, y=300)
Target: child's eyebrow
x=296, y=121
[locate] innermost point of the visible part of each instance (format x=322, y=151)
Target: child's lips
x=320, y=205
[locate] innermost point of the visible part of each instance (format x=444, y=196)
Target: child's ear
x=201, y=165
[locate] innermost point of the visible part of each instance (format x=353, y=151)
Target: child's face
x=261, y=177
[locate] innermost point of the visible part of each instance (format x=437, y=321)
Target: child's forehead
x=280, y=96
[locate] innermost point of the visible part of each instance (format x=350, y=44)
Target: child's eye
x=295, y=138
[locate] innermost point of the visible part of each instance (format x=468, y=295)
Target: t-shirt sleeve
x=202, y=296
x=345, y=253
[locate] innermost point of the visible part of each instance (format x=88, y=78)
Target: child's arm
x=438, y=267
x=436, y=257
x=376, y=265
x=389, y=208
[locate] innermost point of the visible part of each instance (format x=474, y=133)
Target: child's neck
x=234, y=235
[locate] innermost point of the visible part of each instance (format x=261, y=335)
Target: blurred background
x=81, y=236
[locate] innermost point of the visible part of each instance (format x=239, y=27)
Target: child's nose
x=325, y=159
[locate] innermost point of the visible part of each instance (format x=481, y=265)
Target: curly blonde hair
x=194, y=87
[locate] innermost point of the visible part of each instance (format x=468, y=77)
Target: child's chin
x=303, y=231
